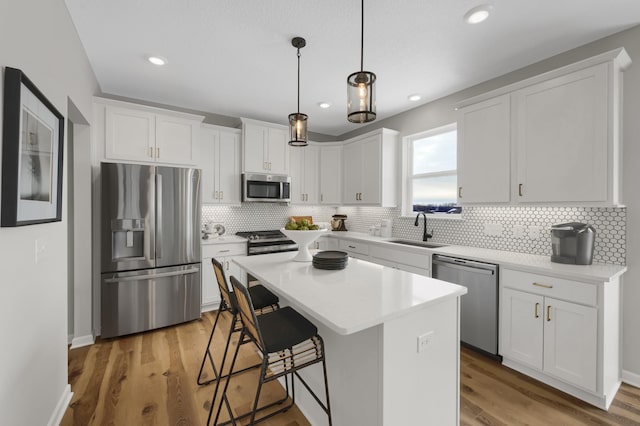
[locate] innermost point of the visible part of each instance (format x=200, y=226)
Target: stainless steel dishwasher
x=479, y=307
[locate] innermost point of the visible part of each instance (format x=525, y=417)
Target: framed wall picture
x=32, y=147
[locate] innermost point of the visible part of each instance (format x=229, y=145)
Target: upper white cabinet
x=484, y=153
x=561, y=131
x=304, y=174
x=331, y=174
x=551, y=139
x=138, y=133
x=370, y=169
x=265, y=147
x=220, y=162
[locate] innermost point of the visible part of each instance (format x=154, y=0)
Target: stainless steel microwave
x=266, y=188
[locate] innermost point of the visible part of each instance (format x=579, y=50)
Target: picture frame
x=32, y=151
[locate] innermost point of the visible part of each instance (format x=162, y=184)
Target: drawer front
x=355, y=247
x=219, y=250
x=400, y=256
x=573, y=291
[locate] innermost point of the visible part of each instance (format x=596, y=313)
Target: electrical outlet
x=424, y=341
x=534, y=232
x=493, y=229
x=518, y=231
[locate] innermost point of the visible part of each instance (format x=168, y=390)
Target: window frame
x=407, y=170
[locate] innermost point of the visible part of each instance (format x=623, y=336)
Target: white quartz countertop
x=360, y=296
x=595, y=273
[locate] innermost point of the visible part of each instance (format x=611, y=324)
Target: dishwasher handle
x=465, y=265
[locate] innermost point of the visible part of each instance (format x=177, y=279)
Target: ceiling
x=235, y=57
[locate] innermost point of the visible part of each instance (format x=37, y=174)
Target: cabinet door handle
x=520, y=189
x=269, y=163
x=227, y=264
x=543, y=285
x=321, y=197
x=536, y=313
x=157, y=152
x=224, y=251
x=549, y=313
x=264, y=165
x=459, y=192
x=150, y=152
x=351, y=247
x=216, y=195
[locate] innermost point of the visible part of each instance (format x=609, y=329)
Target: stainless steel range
x=265, y=242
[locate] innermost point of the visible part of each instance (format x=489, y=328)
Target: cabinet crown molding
x=619, y=57
x=151, y=109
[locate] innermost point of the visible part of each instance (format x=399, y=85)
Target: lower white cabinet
x=356, y=249
x=562, y=332
x=405, y=260
x=326, y=243
x=223, y=253
x=557, y=337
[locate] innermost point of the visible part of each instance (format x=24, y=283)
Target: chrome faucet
x=425, y=234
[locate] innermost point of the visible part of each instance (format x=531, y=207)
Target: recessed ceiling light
x=157, y=60
x=324, y=105
x=477, y=14
x=415, y=97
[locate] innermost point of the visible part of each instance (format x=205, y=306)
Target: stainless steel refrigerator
x=150, y=218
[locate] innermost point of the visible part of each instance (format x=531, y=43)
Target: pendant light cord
x=298, y=80
x=362, y=37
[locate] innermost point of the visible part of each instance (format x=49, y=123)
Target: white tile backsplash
x=523, y=229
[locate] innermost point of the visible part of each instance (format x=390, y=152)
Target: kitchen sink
x=424, y=244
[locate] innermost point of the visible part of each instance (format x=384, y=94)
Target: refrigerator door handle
x=152, y=276
x=158, y=216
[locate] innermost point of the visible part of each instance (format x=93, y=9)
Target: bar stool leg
x=207, y=352
x=226, y=386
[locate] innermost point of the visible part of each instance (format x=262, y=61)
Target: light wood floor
x=150, y=379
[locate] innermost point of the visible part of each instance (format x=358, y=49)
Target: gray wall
x=441, y=112
x=38, y=37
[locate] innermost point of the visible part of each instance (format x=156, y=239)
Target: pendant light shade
x=298, y=135
x=361, y=89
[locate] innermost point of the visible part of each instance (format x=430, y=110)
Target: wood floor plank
x=150, y=379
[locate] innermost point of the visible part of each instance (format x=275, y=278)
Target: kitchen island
x=391, y=337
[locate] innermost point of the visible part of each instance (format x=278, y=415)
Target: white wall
x=441, y=112
x=38, y=37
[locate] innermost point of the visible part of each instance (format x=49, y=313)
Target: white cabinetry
x=397, y=258
x=331, y=174
x=551, y=139
x=145, y=134
x=561, y=138
x=356, y=249
x=484, y=154
x=265, y=147
x=220, y=162
x=560, y=331
x=304, y=174
x=370, y=169
x=223, y=253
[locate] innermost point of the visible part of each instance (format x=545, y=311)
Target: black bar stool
x=264, y=301
x=287, y=342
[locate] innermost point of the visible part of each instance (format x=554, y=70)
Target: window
x=431, y=178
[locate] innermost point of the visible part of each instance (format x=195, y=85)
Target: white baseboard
x=81, y=341
x=61, y=407
x=630, y=378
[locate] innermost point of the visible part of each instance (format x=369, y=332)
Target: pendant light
x=361, y=89
x=297, y=121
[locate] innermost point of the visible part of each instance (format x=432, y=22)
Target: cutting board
x=299, y=218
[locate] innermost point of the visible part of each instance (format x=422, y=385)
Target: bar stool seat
x=284, y=328
x=263, y=301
